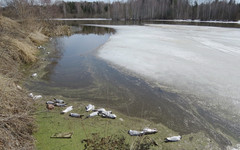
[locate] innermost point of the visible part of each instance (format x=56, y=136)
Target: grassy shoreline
x=53, y=122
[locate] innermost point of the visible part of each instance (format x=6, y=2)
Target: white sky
x=92, y=0
x=126, y=0
x=1, y=1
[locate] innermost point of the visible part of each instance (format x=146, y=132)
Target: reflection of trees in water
x=96, y=30
x=78, y=23
x=89, y=29
x=57, y=46
x=57, y=53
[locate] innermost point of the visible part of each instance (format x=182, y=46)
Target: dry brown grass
x=37, y=37
x=6, y=23
x=24, y=51
x=59, y=30
x=18, y=47
x=16, y=123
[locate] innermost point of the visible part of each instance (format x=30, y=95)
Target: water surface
x=76, y=73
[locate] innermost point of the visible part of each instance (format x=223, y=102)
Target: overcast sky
x=113, y=0
x=90, y=0
x=126, y=0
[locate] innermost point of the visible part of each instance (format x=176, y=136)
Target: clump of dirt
x=18, y=48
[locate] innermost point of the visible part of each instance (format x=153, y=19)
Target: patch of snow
x=191, y=59
x=198, y=21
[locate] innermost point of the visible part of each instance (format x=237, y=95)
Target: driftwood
x=62, y=135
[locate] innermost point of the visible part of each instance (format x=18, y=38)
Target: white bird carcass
x=58, y=100
x=92, y=114
x=149, y=131
x=135, y=133
x=107, y=114
x=70, y=108
x=30, y=95
x=37, y=97
x=76, y=115
x=90, y=107
x=99, y=109
x=173, y=139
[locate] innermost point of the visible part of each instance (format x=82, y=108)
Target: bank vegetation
x=18, y=51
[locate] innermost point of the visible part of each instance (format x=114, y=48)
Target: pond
x=75, y=72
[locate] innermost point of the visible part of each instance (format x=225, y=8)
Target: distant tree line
x=154, y=9
x=134, y=9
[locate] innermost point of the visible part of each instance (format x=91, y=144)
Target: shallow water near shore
x=76, y=73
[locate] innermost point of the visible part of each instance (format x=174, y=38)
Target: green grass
x=51, y=122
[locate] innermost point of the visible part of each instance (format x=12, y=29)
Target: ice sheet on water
x=192, y=59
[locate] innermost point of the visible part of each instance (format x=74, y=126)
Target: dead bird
x=173, y=139
x=58, y=100
x=60, y=105
x=107, y=114
x=70, y=108
x=76, y=115
x=41, y=47
x=135, y=133
x=90, y=107
x=92, y=114
x=149, y=131
x=99, y=109
x=50, y=102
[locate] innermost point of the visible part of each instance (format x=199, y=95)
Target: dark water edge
x=94, y=80
x=127, y=22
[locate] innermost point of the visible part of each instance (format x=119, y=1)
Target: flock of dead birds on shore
x=99, y=112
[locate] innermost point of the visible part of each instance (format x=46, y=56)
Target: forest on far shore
x=225, y=10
